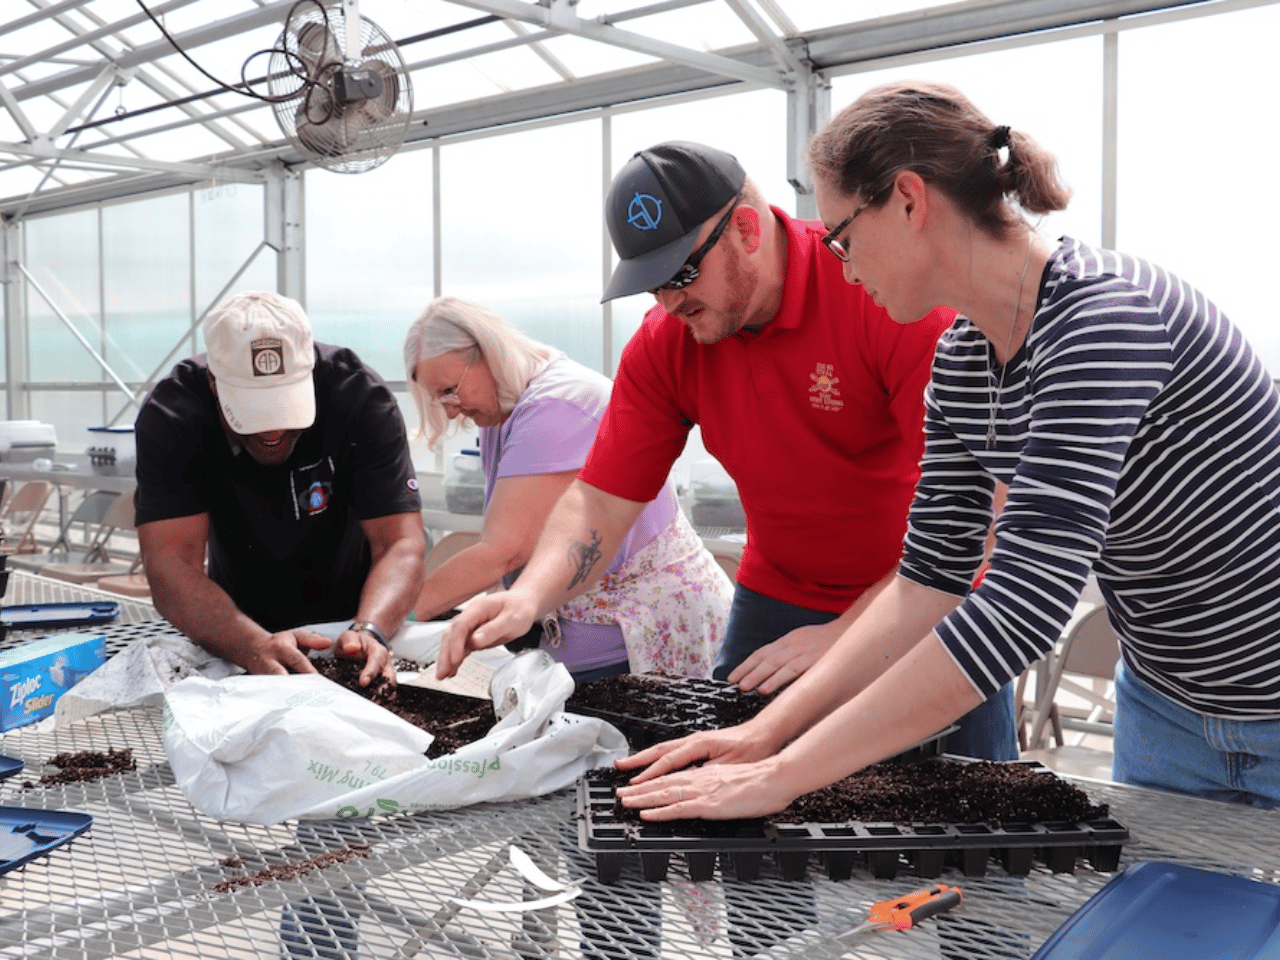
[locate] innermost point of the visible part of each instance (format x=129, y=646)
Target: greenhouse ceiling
x=109, y=98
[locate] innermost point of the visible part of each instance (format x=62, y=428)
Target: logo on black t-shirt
x=318, y=497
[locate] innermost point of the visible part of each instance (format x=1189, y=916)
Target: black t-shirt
x=285, y=542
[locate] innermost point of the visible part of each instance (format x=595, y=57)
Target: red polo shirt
x=818, y=418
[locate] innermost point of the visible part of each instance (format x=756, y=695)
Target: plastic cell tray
x=1172, y=912
x=884, y=849
x=663, y=708
x=27, y=833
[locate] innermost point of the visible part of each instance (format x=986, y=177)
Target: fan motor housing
x=351, y=84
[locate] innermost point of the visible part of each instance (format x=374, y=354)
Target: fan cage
x=350, y=138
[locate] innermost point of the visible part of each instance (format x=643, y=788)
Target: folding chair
x=96, y=562
x=18, y=519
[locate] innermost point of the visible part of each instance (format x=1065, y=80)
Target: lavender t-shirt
x=551, y=430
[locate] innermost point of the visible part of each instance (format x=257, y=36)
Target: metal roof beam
x=82, y=159
x=560, y=17
x=273, y=13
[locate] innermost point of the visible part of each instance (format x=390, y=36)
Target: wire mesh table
x=155, y=878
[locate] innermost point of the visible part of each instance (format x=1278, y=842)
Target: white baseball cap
x=260, y=352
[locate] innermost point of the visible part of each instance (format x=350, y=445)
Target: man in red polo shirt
x=804, y=389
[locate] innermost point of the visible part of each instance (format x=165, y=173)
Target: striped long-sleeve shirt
x=1140, y=437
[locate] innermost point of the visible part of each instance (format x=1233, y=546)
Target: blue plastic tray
x=9, y=766
x=27, y=833
x=1166, y=911
x=43, y=616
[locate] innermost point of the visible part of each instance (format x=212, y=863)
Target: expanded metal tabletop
x=155, y=878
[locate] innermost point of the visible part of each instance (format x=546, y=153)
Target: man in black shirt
x=289, y=461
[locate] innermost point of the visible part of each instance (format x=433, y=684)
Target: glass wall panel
x=62, y=256
x=1187, y=132
x=521, y=224
x=228, y=230
x=146, y=283
x=369, y=255
x=1024, y=88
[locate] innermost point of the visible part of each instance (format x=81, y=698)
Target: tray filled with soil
x=920, y=817
x=454, y=720
x=650, y=708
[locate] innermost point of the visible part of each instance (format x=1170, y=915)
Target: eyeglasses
x=448, y=396
x=837, y=246
x=689, y=271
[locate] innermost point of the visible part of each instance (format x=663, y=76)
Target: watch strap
x=371, y=628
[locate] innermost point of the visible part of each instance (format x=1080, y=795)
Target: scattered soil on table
x=287, y=871
x=686, y=705
x=932, y=791
x=454, y=720
x=85, y=766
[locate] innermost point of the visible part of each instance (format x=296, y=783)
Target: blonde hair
x=449, y=324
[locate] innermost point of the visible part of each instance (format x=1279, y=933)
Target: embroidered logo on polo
x=644, y=212
x=823, y=394
x=266, y=356
x=318, y=497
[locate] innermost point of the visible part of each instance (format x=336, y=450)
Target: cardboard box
x=34, y=675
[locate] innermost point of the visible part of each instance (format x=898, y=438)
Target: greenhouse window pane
x=1183, y=134
x=146, y=281
x=62, y=256
x=369, y=255
x=521, y=226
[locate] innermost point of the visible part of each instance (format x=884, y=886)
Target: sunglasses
x=689, y=271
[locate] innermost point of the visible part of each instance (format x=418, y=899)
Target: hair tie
x=999, y=137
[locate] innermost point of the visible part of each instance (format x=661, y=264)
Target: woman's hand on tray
x=716, y=792
x=739, y=744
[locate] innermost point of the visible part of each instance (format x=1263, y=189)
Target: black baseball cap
x=656, y=206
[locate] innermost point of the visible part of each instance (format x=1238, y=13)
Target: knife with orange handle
x=903, y=913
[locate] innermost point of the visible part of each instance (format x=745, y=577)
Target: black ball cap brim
x=648, y=271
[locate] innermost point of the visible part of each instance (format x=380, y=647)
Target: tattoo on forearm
x=582, y=557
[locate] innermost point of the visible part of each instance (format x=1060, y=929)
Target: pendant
x=991, y=435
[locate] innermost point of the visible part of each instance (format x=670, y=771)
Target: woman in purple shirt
x=662, y=604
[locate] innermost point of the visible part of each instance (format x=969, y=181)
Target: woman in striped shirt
x=1139, y=437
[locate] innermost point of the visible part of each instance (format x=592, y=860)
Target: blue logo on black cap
x=644, y=212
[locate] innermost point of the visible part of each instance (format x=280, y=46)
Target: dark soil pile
x=933, y=791
x=85, y=766
x=455, y=721
x=683, y=704
x=287, y=871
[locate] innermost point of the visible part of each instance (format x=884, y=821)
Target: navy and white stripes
x=1140, y=437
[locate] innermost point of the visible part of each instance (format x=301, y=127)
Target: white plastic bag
x=262, y=749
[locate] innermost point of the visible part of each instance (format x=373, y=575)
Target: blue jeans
x=987, y=731
x=1165, y=746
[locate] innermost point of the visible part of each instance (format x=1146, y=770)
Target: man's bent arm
x=173, y=557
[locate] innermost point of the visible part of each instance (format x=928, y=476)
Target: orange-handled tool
x=903, y=913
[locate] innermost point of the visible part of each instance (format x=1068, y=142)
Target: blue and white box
x=34, y=675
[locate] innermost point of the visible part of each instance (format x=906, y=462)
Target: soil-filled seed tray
x=884, y=848
x=650, y=708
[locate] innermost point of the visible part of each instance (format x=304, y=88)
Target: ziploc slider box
x=34, y=675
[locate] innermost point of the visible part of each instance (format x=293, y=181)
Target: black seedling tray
x=665, y=708
x=27, y=833
x=658, y=708
x=883, y=848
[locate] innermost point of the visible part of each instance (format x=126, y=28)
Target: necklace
x=996, y=390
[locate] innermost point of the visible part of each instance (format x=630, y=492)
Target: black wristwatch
x=371, y=628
